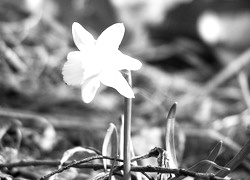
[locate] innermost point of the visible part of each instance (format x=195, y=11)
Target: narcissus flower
x=98, y=61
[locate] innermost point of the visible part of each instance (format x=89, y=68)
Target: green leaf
x=170, y=143
x=101, y=176
x=205, y=163
x=111, y=138
x=203, y=168
x=238, y=158
x=138, y=174
x=215, y=151
x=70, y=152
x=202, y=164
x=121, y=120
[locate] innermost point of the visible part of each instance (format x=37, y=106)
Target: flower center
x=97, y=60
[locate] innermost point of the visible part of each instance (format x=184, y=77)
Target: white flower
x=98, y=61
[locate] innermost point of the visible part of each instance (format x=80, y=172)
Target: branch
x=75, y=163
x=79, y=164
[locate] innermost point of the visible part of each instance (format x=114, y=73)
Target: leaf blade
x=211, y=157
x=170, y=142
x=237, y=159
x=111, y=138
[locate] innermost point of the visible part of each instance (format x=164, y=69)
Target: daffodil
x=98, y=61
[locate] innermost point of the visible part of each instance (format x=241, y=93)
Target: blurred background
x=194, y=52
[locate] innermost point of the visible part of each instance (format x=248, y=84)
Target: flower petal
x=115, y=80
x=89, y=89
x=122, y=61
x=82, y=37
x=73, y=69
x=111, y=37
x=91, y=71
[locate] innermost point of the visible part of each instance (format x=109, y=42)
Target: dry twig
x=79, y=164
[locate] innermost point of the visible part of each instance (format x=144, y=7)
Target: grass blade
x=238, y=158
x=200, y=164
x=203, y=168
x=138, y=174
x=205, y=163
x=111, y=138
x=70, y=152
x=121, y=122
x=170, y=144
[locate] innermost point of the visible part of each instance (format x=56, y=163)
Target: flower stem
x=127, y=131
